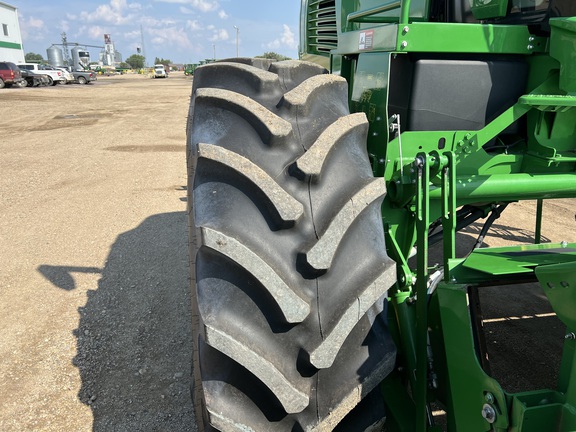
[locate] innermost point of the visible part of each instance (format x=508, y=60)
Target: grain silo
x=55, y=57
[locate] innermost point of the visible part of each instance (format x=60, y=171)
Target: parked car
x=9, y=74
x=33, y=79
x=160, y=71
x=55, y=75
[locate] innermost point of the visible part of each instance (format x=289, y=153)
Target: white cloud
x=64, y=25
x=182, y=30
x=286, y=40
x=202, y=5
x=32, y=28
x=148, y=21
x=193, y=25
x=93, y=31
x=219, y=35
x=112, y=13
x=172, y=37
x=34, y=23
x=134, y=34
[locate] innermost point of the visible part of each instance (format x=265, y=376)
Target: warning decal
x=366, y=40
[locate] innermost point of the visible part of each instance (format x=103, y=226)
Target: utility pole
x=142, y=44
x=237, y=31
x=214, y=48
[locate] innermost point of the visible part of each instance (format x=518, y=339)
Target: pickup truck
x=55, y=76
x=32, y=79
x=84, y=77
x=65, y=72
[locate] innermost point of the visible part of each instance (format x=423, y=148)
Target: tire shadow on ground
x=134, y=338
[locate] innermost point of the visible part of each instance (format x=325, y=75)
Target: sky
x=183, y=31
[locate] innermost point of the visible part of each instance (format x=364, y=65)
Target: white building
x=10, y=38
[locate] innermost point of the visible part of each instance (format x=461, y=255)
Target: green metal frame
x=426, y=182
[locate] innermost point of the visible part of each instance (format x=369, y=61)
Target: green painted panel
x=471, y=389
x=483, y=9
x=468, y=38
x=537, y=411
x=562, y=49
x=10, y=45
x=520, y=259
x=559, y=284
x=383, y=38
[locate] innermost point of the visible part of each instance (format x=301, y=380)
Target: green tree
x=162, y=61
x=33, y=57
x=136, y=61
x=274, y=56
x=125, y=65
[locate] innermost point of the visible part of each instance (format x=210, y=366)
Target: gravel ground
x=94, y=298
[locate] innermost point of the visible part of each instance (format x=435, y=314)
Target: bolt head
x=489, y=413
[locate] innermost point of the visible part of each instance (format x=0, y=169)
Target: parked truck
x=54, y=75
x=314, y=198
x=32, y=79
x=160, y=71
x=84, y=77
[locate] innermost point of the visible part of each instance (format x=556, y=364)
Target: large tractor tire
x=288, y=262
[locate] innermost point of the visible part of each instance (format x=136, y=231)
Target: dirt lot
x=94, y=301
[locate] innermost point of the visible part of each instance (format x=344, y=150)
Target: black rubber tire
x=82, y=80
x=2, y=83
x=288, y=264
x=50, y=81
x=22, y=83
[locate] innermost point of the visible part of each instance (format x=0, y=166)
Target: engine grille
x=322, y=29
